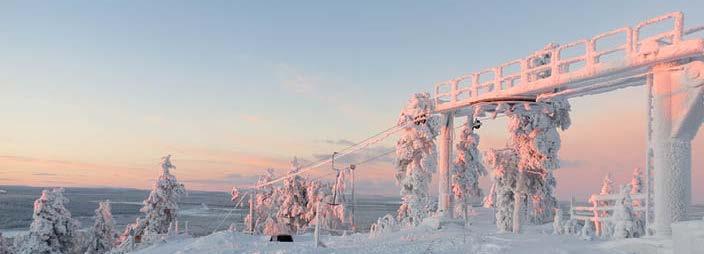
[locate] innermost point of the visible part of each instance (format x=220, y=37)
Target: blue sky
x=117, y=84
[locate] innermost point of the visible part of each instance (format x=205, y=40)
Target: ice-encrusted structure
x=160, y=209
x=466, y=169
x=534, y=136
x=52, y=230
x=102, y=234
x=505, y=171
x=416, y=158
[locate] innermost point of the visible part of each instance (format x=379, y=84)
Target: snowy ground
x=481, y=237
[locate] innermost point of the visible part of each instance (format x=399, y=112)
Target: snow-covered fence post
x=316, y=234
x=678, y=110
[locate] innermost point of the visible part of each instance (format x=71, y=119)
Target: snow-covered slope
x=481, y=237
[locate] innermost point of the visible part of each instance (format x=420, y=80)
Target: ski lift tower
x=670, y=63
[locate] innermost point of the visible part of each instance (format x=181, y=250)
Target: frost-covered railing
x=598, y=212
x=555, y=65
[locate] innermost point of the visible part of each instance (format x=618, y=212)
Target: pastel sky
x=93, y=93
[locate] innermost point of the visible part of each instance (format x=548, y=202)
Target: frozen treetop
x=166, y=164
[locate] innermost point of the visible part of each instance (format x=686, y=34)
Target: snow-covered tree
x=160, y=208
x=504, y=164
x=488, y=201
x=607, y=185
x=294, y=200
x=466, y=170
x=416, y=158
x=557, y=223
x=535, y=138
x=4, y=245
x=571, y=227
x=265, y=203
x=587, y=232
x=52, y=231
x=637, y=186
x=102, y=237
x=624, y=219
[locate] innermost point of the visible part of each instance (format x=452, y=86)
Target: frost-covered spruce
x=102, y=235
x=466, y=170
x=504, y=164
x=607, y=187
x=535, y=138
x=416, y=158
x=557, y=223
x=571, y=227
x=637, y=186
x=160, y=208
x=4, y=246
x=52, y=231
x=587, y=232
x=294, y=200
x=624, y=219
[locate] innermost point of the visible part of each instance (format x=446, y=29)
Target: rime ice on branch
x=416, y=158
x=102, y=237
x=52, y=230
x=160, y=208
x=535, y=138
x=466, y=169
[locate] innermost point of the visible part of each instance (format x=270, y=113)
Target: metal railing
x=602, y=208
x=552, y=64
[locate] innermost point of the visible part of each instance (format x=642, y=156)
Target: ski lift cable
x=354, y=148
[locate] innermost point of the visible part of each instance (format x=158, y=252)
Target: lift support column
x=677, y=110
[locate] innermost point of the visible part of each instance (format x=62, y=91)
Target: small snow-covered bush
x=383, y=225
x=587, y=232
x=571, y=227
